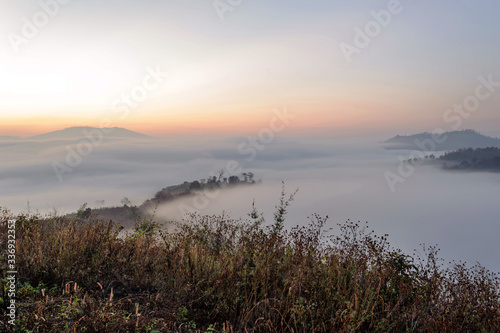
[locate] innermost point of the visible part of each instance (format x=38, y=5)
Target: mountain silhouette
x=447, y=141
x=80, y=132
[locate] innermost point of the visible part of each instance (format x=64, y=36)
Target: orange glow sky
x=228, y=76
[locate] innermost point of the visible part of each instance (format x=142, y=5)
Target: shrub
x=214, y=273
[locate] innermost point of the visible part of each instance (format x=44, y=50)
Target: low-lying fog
x=338, y=178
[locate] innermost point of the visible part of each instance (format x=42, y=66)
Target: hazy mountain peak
x=453, y=140
x=83, y=131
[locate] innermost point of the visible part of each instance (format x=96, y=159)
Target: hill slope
x=454, y=140
x=79, y=132
x=128, y=214
x=480, y=159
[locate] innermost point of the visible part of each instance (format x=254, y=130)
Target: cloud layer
x=458, y=211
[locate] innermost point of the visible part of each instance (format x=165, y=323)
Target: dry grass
x=216, y=274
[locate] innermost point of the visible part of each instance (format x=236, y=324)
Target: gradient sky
x=228, y=76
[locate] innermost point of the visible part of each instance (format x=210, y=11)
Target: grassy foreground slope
x=215, y=274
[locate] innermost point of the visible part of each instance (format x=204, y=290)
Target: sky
x=208, y=67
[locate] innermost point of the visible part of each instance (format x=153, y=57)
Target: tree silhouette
x=126, y=202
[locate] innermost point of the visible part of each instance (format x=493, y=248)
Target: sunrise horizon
x=241, y=166
x=194, y=75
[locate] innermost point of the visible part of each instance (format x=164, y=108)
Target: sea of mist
x=339, y=178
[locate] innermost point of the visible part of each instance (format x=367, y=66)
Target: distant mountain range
x=454, y=140
x=80, y=132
